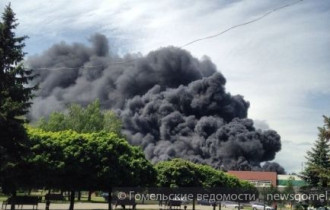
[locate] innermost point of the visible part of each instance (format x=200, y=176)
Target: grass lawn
x=3, y=197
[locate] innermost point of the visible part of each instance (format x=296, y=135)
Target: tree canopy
x=317, y=171
x=73, y=161
x=183, y=173
x=92, y=161
x=82, y=120
x=15, y=95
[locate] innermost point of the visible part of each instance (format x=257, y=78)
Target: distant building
x=267, y=179
x=282, y=181
x=257, y=178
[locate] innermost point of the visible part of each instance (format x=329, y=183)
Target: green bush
x=91, y=161
x=183, y=173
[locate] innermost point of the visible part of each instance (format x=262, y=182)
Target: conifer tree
x=317, y=171
x=15, y=95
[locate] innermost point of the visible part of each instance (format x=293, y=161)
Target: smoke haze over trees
x=171, y=104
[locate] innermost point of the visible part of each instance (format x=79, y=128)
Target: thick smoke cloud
x=171, y=104
x=268, y=166
x=80, y=74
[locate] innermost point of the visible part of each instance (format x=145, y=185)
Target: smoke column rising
x=171, y=104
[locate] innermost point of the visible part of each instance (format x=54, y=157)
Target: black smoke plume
x=171, y=104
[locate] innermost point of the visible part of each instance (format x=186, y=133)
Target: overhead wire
x=63, y=67
x=241, y=24
x=193, y=41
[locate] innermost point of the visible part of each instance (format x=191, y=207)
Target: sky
x=280, y=64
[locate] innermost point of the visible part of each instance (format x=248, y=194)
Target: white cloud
x=280, y=64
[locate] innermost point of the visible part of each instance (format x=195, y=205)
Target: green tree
x=183, y=173
x=289, y=190
x=15, y=95
x=73, y=161
x=326, y=127
x=177, y=173
x=317, y=171
x=82, y=120
x=269, y=193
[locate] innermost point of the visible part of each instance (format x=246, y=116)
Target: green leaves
x=82, y=120
x=182, y=173
x=15, y=95
x=14, y=92
x=69, y=160
x=317, y=168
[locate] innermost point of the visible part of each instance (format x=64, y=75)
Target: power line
x=240, y=25
x=191, y=42
x=59, y=68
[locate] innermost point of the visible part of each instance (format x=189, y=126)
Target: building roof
x=255, y=176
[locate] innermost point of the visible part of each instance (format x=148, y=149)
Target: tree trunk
x=72, y=200
x=13, y=201
x=110, y=200
x=79, y=195
x=90, y=196
x=193, y=207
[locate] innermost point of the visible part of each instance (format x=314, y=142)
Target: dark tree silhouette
x=15, y=95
